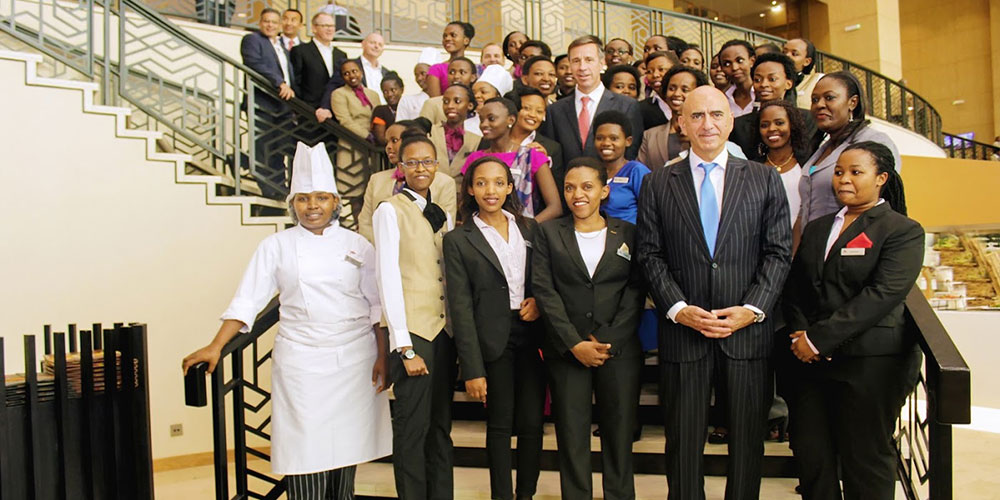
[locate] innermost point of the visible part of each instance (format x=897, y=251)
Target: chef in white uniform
x=329, y=409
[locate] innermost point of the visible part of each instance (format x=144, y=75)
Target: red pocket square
x=861, y=241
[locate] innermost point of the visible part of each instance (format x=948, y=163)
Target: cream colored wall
x=875, y=44
x=93, y=232
x=947, y=56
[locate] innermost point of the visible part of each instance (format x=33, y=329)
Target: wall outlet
x=176, y=430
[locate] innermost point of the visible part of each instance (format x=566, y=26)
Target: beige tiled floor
x=976, y=461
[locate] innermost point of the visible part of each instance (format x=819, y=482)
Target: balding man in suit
x=570, y=121
x=715, y=244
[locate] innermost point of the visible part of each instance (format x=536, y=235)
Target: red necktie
x=289, y=44
x=583, y=120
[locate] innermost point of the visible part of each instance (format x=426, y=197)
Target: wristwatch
x=758, y=317
x=408, y=354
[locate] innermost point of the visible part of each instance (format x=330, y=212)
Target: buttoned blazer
x=561, y=124
x=311, y=76
x=751, y=260
x=338, y=81
x=574, y=304
x=478, y=295
x=852, y=305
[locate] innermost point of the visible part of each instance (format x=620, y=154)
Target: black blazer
x=852, y=305
x=746, y=134
x=573, y=304
x=478, y=299
x=311, y=77
x=652, y=115
x=258, y=53
x=338, y=81
x=752, y=254
x=562, y=126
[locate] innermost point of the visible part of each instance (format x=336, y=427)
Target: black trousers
x=422, y=456
x=515, y=404
x=847, y=407
x=615, y=386
x=686, y=389
x=336, y=484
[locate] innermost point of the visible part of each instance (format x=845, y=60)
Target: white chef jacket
x=325, y=412
x=308, y=272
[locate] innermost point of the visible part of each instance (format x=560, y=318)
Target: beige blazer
x=379, y=189
x=349, y=111
x=433, y=110
x=469, y=145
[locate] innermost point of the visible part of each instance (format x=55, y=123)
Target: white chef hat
x=499, y=78
x=312, y=170
x=429, y=56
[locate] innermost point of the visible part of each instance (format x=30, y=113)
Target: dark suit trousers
x=848, y=405
x=615, y=386
x=422, y=457
x=686, y=391
x=515, y=404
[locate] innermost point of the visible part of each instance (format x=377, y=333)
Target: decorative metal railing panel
x=63, y=29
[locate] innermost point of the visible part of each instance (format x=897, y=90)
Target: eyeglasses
x=620, y=52
x=325, y=25
x=412, y=164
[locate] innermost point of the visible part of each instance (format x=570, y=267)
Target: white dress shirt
x=410, y=105
x=512, y=254
x=373, y=76
x=326, y=285
x=282, y=59
x=735, y=108
x=326, y=52
x=390, y=281
x=592, y=247
x=284, y=41
x=669, y=113
x=595, y=99
x=718, y=178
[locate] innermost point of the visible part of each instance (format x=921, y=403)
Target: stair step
x=375, y=480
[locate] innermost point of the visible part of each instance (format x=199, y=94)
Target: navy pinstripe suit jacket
x=752, y=254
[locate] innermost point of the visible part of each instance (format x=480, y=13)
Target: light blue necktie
x=709, y=208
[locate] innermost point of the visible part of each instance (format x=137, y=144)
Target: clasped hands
x=717, y=323
x=801, y=349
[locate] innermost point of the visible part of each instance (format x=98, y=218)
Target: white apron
x=325, y=412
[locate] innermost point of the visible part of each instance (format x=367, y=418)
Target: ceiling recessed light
x=761, y=14
x=774, y=2
x=716, y=18
x=775, y=8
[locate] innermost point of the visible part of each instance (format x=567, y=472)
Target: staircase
x=34, y=64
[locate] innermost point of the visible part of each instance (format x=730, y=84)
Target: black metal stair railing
x=940, y=400
x=194, y=94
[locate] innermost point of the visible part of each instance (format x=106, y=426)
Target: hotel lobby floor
x=976, y=458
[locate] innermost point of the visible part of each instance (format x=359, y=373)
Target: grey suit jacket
x=752, y=254
x=561, y=124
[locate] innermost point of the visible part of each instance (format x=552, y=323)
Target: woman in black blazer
x=493, y=317
x=591, y=298
x=853, y=362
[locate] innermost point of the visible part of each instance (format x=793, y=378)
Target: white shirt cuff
x=674, y=309
x=399, y=338
x=811, y=346
x=753, y=308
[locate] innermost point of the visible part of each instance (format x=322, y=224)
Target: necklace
x=783, y=164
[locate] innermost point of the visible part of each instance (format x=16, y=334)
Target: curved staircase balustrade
x=557, y=23
x=193, y=93
x=942, y=398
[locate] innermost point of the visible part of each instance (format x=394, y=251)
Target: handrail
x=969, y=148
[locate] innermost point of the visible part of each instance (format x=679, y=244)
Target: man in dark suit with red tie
x=715, y=244
x=570, y=121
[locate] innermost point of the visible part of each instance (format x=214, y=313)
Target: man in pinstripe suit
x=714, y=242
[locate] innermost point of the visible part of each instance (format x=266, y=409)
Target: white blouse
x=592, y=247
x=326, y=285
x=512, y=254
